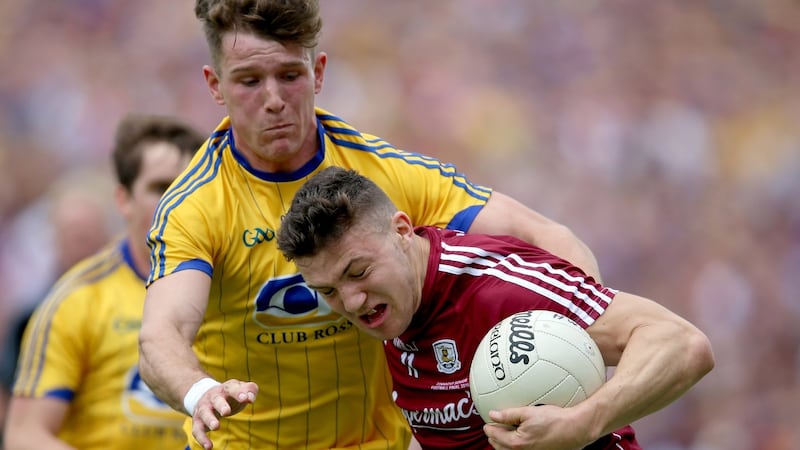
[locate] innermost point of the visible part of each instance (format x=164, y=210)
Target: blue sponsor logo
x=289, y=297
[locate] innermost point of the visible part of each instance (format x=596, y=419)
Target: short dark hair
x=135, y=131
x=327, y=206
x=285, y=21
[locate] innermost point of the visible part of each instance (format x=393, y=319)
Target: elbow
x=700, y=353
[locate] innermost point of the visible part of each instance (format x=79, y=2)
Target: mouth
x=375, y=316
x=279, y=127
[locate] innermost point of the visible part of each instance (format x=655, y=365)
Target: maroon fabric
x=473, y=282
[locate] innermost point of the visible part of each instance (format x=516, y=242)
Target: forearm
x=169, y=366
x=645, y=380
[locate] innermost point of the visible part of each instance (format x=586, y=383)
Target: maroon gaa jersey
x=473, y=282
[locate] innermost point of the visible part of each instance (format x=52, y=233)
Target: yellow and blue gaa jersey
x=81, y=346
x=322, y=382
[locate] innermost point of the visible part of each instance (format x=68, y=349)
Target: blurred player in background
x=231, y=334
x=423, y=289
x=81, y=219
x=78, y=383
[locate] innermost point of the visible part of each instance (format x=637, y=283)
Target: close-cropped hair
x=328, y=205
x=286, y=21
x=136, y=131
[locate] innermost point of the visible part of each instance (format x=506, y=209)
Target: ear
x=212, y=80
x=319, y=71
x=402, y=225
x=122, y=198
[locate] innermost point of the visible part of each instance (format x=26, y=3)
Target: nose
x=353, y=299
x=273, y=96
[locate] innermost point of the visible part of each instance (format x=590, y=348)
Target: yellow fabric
x=81, y=345
x=322, y=383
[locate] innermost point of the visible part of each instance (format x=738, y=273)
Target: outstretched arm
x=658, y=357
x=505, y=215
x=173, y=312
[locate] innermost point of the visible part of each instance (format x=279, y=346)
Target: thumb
x=509, y=416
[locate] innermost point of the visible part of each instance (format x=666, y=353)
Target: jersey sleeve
x=180, y=236
x=180, y=241
x=435, y=193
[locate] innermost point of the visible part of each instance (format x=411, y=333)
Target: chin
x=379, y=335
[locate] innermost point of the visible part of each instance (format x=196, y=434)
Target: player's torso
x=319, y=377
x=472, y=283
x=431, y=379
x=321, y=381
x=430, y=361
x=110, y=407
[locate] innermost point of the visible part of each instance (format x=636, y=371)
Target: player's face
x=371, y=278
x=161, y=163
x=269, y=91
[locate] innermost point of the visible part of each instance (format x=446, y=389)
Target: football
x=534, y=358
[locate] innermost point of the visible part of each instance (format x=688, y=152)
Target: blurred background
x=665, y=134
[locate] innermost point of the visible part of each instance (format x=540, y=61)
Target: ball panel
x=535, y=357
x=509, y=396
x=575, y=352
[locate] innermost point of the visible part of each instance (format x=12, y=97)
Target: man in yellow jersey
x=231, y=334
x=78, y=383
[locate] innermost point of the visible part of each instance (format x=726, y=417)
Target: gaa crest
x=446, y=356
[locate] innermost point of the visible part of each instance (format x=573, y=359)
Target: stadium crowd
x=663, y=133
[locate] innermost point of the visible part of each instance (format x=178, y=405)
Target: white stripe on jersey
x=488, y=261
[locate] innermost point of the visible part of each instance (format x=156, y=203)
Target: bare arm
x=33, y=423
x=174, y=308
x=173, y=311
x=658, y=357
x=505, y=215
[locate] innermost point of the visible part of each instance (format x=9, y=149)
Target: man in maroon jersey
x=425, y=290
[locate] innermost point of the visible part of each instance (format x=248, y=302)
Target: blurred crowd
x=665, y=134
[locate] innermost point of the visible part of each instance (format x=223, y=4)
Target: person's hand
x=535, y=427
x=224, y=400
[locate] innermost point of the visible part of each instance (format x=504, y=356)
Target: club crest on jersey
x=289, y=298
x=446, y=356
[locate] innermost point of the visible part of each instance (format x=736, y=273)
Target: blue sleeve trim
x=196, y=264
x=61, y=394
x=463, y=220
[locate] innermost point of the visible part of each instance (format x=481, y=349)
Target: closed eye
x=358, y=274
x=325, y=292
x=291, y=76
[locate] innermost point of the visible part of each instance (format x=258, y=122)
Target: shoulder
x=88, y=275
x=201, y=184
x=344, y=137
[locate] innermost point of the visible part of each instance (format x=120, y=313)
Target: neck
x=420, y=253
x=140, y=257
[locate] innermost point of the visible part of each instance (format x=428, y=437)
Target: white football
x=534, y=358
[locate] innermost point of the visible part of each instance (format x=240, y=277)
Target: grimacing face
x=369, y=278
x=269, y=91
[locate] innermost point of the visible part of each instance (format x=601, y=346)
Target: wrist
x=195, y=392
